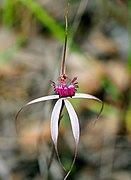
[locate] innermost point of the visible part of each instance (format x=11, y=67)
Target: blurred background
x=99, y=54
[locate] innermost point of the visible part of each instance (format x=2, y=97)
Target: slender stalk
x=65, y=43
x=51, y=157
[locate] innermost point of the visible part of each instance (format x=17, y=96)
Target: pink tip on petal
x=54, y=121
x=74, y=79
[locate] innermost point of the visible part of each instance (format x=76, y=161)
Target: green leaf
x=8, y=12
x=42, y=15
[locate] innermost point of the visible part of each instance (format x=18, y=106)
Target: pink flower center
x=63, y=89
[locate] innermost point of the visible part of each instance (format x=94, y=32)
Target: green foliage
x=6, y=56
x=8, y=17
x=111, y=89
x=128, y=119
x=42, y=15
x=8, y=12
x=37, y=10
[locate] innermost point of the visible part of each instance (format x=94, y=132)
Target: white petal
x=74, y=120
x=54, y=120
x=44, y=98
x=88, y=96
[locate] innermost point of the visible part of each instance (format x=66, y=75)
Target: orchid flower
x=64, y=92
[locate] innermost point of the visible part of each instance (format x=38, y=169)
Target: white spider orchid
x=64, y=92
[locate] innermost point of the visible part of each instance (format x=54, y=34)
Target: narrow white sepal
x=44, y=98
x=74, y=121
x=87, y=96
x=54, y=120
